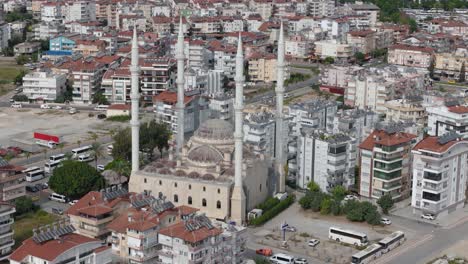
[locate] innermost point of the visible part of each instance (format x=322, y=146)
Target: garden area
x=271, y=208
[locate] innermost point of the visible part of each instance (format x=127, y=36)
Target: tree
x=100, y=98
x=329, y=60
x=360, y=57
x=122, y=145
x=373, y=217
x=75, y=179
x=24, y=204
x=462, y=77
x=19, y=77
x=163, y=136
x=431, y=69
x=385, y=202
x=313, y=187
x=22, y=59
x=325, y=206
x=96, y=147
x=20, y=98
x=335, y=207
x=45, y=44
x=339, y=192
x=78, y=142
x=122, y=167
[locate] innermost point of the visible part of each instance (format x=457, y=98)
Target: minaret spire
x=279, y=112
x=180, y=89
x=135, y=97
x=238, y=206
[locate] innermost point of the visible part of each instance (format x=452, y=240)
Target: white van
x=109, y=149
x=85, y=157
x=282, y=259
x=58, y=198
x=48, y=144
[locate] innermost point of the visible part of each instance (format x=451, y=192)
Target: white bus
x=79, y=151
x=347, y=236
x=30, y=169
x=367, y=255
x=101, y=107
x=58, y=157
x=48, y=144
x=85, y=158
x=394, y=240
x=34, y=175
x=49, y=167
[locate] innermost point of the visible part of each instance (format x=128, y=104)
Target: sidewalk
x=403, y=209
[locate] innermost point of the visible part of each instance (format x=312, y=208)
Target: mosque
x=213, y=171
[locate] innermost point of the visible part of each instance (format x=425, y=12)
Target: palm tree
x=28, y=154
x=60, y=146
x=94, y=136
x=68, y=156
x=96, y=147
x=78, y=142
x=45, y=152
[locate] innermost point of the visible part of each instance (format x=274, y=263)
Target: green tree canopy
x=339, y=192
x=122, y=167
x=24, y=204
x=313, y=187
x=462, y=77
x=122, y=145
x=74, y=179
x=385, y=202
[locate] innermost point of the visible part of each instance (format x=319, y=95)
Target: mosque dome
x=215, y=129
x=205, y=154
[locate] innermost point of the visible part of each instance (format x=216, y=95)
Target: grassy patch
x=119, y=118
x=24, y=224
x=8, y=73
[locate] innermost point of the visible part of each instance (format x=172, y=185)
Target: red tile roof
x=49, y=250
x=169, y=97
x=432, y=144
x=414, y=48
x=383, y=138
x=119, y=107
x=361, y=33
x=458, y=109
x=179, y=231
x=94, y=199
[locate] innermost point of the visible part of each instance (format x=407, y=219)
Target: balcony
x=431, y=176
x=387, y=158
x=388, y=167
x=433, y=197
x=387, y=176
x=437, y=188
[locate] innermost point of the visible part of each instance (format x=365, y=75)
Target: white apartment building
x=44, y=85
x=232, y=24
x=6, y=230
x=337, y=75
x=51, y=12
x=406, y=110
x=87, y=75
x=5, y=35
x=334, y=49
x=326, y=159
x=385, y=163
x=197, y=55
x=225, y=60
x=356, y=123
x=316, y=114
x=298, y=46
x=413, y=56
x=43, y=30
x=443, y=119
x=440, y=171
x=320, y=8
x=81, y=11
x=336, y=29
x=198, y=240
x=259, y=132
x=221, y=107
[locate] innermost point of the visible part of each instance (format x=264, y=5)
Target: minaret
x=135, y=97
x=238, y=206
x=279, y=112
x=180, y=90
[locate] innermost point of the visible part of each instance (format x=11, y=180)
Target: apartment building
x=262, y=67
x=320, y=8
x=259, y=132
x=12, y=183
x=156, y=76
x=44, y=85
x=316, y=114
x=356, y=123
x=331, y=48
x=221, y=107
x=62, y=45
x=298, y=47
x=326, y=159
x=6, y=230
x=197, y=55
x=363, y=41
x=263, y=7
x=368, y=10
x=56, y=244
x=338, y=77
x=89, y=47
x=44, y=31
x=82, y=11
x=206, y=25
x=51, y=12
x=86, y=75
x=406, y=55
x=94, y=211
x=448, y=65
x=224, y=57
x=443, y=119
x=440, y=171
x=406, y=110
x=197, y=240
x=385, y=163
x=116, y=84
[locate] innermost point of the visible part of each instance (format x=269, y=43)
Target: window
x=260, y=187
x=204, y=188
x=190, y=187
x=219, y=191
x=204, y=202
x=175, y=184
x=144, y=180
x=218, y=204
x=176, y=198
x=160, y=195
x=160, y=182
x=189, y=200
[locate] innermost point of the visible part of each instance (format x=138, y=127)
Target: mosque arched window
x=204, y=202
x=218, y=204
x=189, y=201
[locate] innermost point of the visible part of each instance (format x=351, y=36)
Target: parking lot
x=21, y=123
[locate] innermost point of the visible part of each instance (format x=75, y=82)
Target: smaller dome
x=180, y=173
x=193, y=175
x=208, y=177
x=215, y=129
x=205, y=154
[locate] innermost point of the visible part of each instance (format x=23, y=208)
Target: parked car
x=16, y=150
x=101, y=116
x=45, y=106
x=264, y=252
x=300, y=261
x=290, y=229
x=57, y=211
x=428, y=216
x=3, y=152
x=100, y=167
x=73, y=202
x=16, y=105
x=350, y=197
x=42, y=186
x=12, y=100
x=57, y=107
x=72, y=110
x=385, y=221
x=313, y=242
x=32, y=189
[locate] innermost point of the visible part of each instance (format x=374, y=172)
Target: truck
x=27, y=146
x=46, y=140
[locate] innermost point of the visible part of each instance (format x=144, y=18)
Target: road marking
x=387, y=257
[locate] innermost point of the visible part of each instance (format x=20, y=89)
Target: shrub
x=278, y=208
x=24, y=205
x=268, y=204
x=335, y=207
x=325, y=206
x=118, y=118
x=385, y=202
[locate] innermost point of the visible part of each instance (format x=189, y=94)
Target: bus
x=79, y=151
x=101, y=107
x=347, y=236
x=58, y=157
x=367, y=255
x=30, y=169
x=49, y=167
x=34, y=175
x=394, y=240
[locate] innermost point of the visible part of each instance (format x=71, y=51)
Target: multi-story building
x=326, y=159
x=316, y=114
x=44, y=31
x=298, y=47
x=264, y=8
x=331, y=48
x=82, y=11
x=27, y=48
x=94, y=211
x=368, y=10
x=221, y=107
x=62, y=45
x=262, y=67
x=197, y=55
x=116, y=84
x=448, y=65
x=44, y=85
x=89, y=47
x=206, y=25
x=356, y=123
x=224, y=59
x=57, y=244
x=406, y=110
x=197, y=240
x=385, y=163
x=51, y=12
x=6, y=230
x=363, y=41
x=413, y=56
x=259, y=132
x=320, y=8
x=86, y=75
x=443, y=119
x=156, y=76
x=440, y=171
x=12, y=183
x=337, y=77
